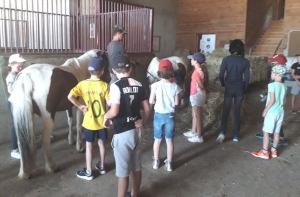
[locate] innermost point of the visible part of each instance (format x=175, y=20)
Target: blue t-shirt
x=279, y=90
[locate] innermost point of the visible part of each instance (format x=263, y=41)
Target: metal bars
x=71, y=26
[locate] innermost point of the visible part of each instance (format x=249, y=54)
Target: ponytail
x=205, y=72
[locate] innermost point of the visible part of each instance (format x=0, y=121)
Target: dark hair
x=205, y=72
x=165, y=74
x=117, y=31
x=122, y=69
x=237, y=46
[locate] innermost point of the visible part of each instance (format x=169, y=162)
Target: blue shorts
x=89, y=135
x=164, y=122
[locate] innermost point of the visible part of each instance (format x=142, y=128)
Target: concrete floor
x=200, y=170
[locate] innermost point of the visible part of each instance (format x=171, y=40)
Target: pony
x=42, y=89
x=180, y=68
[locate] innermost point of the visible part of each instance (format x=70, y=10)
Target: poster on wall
x=207, y=43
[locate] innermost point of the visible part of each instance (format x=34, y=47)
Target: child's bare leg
x=194, y=121
x=136, y=183
x=197, y=119
x=293, y=100
x=266, y=140
x=89, y=156
x=156, y=148
x=275, y=140
x=102, y=150
x=170, y=149
x=122, y=186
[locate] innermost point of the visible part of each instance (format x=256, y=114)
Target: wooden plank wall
x=224, y=18
x=291, y=19
x=256, y=19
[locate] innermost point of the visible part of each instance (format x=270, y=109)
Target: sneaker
x=85, y=175
x=15, y=154
x=259, y=135
x=189, y=133
x=196, y=139
x=262, y=96
x=101, y=169
x=274, y=154
x=261, y=154
x=128, y=194
x=156, y=163
x=168, y=165
x=282, y=142
x=235, y=138
x=220, y=138
x=293, y=111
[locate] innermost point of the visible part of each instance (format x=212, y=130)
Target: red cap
x=280, y=59
x=165, y=65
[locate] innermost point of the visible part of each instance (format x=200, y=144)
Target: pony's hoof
x=72, y=141
x=82, y=150
x=52, y=170
x=23, y=176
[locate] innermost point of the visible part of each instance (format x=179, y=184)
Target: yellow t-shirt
x=94, y=93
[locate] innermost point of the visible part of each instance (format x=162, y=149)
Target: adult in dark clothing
x=237, y=69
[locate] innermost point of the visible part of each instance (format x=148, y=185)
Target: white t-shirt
x=10, y=78
x=165, y=96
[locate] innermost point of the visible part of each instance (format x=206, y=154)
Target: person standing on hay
x=273, y=113
x=15, y=63
x=237, y=69
x=295, y=71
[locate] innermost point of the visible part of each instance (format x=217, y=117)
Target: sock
x=264, y=151
x=273, y=149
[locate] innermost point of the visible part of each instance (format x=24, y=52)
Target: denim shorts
x=89, y=135
x=164, y=122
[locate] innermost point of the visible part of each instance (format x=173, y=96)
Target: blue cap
x=96, y=64
x=120, y=61
x=199, y=57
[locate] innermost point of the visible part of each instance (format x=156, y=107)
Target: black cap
x=297, y=54
x=120, y=61
x=120, y=28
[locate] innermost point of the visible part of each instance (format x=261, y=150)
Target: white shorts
x=273, y=122
x=295, y=88
x=198, y=100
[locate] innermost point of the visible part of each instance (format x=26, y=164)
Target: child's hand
x=264, y=113
x=107, y=123
x=83, y=108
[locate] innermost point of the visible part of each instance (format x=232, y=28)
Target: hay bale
x=258, y=65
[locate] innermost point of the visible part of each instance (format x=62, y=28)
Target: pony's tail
x=22, y=112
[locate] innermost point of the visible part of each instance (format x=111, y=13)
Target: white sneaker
x=189, y=134
x=196, y=139
x=263, y=99
x=15, y=154
x=220, y=138
x=156, y=163
x=168, y=165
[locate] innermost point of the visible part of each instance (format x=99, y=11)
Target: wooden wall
x=291, y=19
x=257, y=19
x=224, y=18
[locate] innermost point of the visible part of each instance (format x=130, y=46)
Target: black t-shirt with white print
x=296, y=67
x=129, y=94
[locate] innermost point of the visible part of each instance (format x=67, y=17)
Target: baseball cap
x=165, y=65
x=279, y=70
x=297, y=54
x=280, y=59
x=120, y=28
x=199, y=57
x=120, y=61
x=96, y=64
x=16, y=58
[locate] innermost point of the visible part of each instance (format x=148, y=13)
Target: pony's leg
x=71, y=139
x=50, y=166
x=24, y=172
x=79, y=142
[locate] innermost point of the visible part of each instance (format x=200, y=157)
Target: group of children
x=120, y=103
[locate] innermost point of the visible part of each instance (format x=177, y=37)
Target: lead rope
x=2, y=62
x=155, y=78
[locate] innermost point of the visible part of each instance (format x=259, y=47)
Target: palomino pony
x=42, y=89
x=180, y=69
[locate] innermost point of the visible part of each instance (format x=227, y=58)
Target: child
x=94, y=92
x=276, y=60
x=16, y=63
x=295, y=71
x=164, y=94
x=199, y=83
x=126, y=98
x=273, y=113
